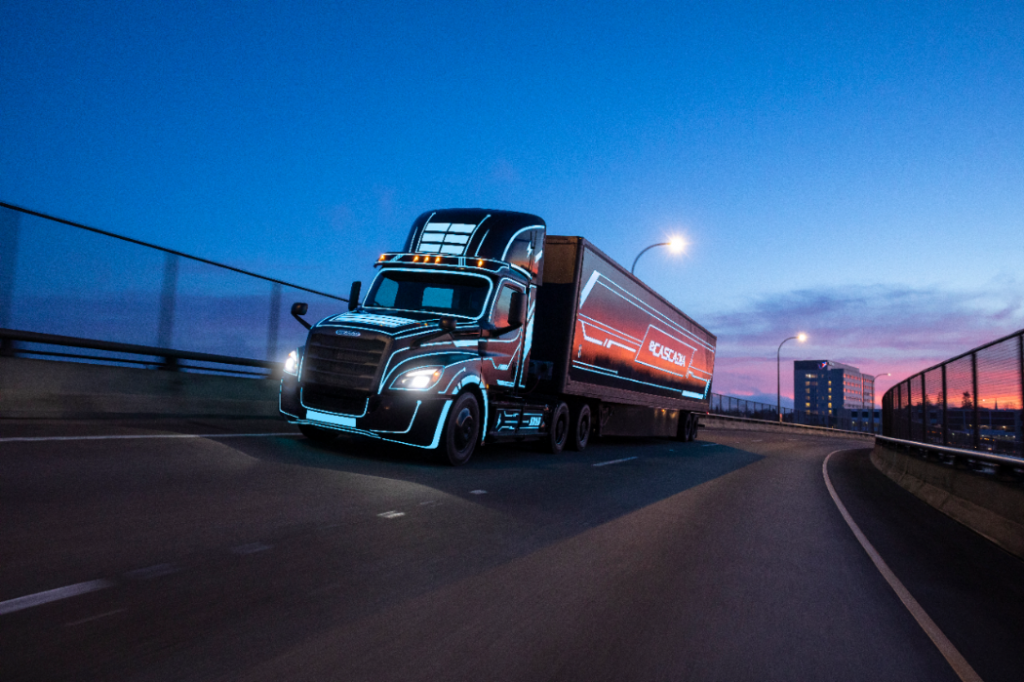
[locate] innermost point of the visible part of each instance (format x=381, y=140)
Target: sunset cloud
x=876, y=328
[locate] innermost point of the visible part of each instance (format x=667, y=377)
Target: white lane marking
x=959, y=664
x=160, y=435
x=613, y=461
x=39, y=598
x=250, y=548
x=477, y=492
x=391, y=514
x=709, y=445
x=92, y=618
x=150, y=572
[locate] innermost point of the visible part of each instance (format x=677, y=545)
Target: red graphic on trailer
x=625, y=338
x=664, y=352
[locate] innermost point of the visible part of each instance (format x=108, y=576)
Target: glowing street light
x=801, y=337
x=676, y=245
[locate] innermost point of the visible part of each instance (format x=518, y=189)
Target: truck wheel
x=581, y=427
x=462, y=430
x=691, y=427
x=687, y=427
x=559, y=432
x=316, y=434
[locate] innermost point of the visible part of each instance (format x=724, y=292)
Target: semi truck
x=483, y=329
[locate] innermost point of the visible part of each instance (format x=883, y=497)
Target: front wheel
x=461, y=430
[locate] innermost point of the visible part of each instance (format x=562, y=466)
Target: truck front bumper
x=414, y=420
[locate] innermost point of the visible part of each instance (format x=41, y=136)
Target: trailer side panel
x=626, y=343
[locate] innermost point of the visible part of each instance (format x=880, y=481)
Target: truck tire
x=687, y=427
x=558, y=434
x=316, y=434
x=691, y=427
x=582, y=425
x=461, y=430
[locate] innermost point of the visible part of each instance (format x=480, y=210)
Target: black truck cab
x=439, y=345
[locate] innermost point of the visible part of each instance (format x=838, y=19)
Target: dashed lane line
x=959, y=664
x=41, y=439
x=39, y=598
x=92, y=618
x=613, y=461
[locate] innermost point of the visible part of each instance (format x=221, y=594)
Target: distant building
x=825, y=392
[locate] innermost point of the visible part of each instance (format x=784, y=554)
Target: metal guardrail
x=165, y=358
x=973, y=402
x=1005, y=466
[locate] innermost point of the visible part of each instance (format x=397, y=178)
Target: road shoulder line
x=959, y=664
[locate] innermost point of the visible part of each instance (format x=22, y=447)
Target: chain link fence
x=974, y=401
x=740, y=407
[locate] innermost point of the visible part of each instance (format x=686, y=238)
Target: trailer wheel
x=462, y=430
x=691, y=427
x=687, y=427
x=559, y=432
x=316, y=434
x=581, y=427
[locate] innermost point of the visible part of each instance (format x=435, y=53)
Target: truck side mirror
x=517, y=310
x=298, y=310
x=353, y=295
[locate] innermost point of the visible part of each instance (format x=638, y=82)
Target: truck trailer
x=484, y=329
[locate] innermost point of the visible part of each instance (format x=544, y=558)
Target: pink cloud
x=878, y=329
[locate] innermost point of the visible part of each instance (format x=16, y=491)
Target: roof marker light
x=480, y=263
x=437, y=259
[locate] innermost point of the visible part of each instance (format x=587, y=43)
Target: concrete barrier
x=989, y=506
x=71, y=390
x=721, y=421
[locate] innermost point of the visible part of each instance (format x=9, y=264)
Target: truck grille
x=343, y=362
x=341, y=403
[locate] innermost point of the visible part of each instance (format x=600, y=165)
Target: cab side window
x=499, y=318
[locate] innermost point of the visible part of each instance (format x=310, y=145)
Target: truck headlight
x=419, y=379
x=291, y=365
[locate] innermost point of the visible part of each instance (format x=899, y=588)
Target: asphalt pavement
x=238, y=550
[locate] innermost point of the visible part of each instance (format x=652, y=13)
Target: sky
x=852, y=170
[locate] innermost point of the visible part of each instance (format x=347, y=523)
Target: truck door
x=502, y=355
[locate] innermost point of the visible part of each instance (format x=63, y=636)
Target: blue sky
x=852, y=170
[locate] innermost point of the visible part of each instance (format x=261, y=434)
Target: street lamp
x=874, y=394
x=801, y=337
x=675, y=244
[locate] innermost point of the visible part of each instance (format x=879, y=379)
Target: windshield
x=432, y=292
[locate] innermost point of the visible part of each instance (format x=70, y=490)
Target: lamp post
x=801, y=337
x=874, y=392
x=676, y=244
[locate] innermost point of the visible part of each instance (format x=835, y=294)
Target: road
x=264, y=557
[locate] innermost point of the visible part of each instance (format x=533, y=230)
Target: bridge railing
x=64, y=279
x=974, y=401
